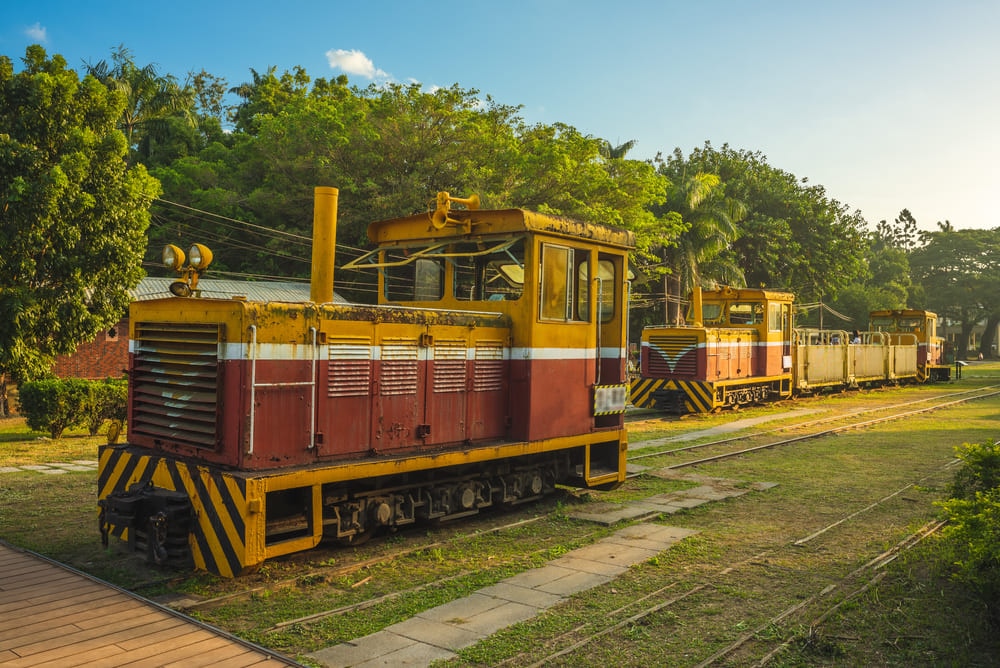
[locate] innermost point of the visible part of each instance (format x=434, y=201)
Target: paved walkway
x=54, y=468
x=440, y=632
x=53, y=615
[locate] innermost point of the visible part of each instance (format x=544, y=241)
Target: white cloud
x=354, y=62
x=36, y=32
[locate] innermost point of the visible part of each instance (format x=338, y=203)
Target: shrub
x=54, y=405
x=107, y=400
x=973, y=532
x=980, y=471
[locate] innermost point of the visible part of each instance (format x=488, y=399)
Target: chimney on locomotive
x=324, y=244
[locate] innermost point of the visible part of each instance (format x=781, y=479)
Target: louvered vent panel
x=488, y=368
x=175, y=382
x=399, y=368
x=349, y=373
x=449, y=366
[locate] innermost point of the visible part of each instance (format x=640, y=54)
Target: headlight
x=200, y=256
x=173, y=257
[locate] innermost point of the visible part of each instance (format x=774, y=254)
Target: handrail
x=312, y=383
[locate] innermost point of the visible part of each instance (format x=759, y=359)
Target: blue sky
x=886, y=103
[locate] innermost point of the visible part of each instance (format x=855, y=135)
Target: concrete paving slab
x=446, y=636
x=607, y=554
x=656, y=545
x=358, y=651
x=674, y=501
x=528, y=596
x=490, y=621
x=571, y=584
x=708, y=493
x=539, y=576
x=590, y=566
x=609, y=514
x=654, y=532
x=454, y=612
x=418, y=654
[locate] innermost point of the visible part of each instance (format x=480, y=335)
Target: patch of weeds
x=770, y=633
x=310, y=580
x=813, y=643
x=636, y=632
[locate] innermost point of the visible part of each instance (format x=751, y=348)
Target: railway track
x=809, y=613
x=676, y=597
x=311, y=576
x=734, y=446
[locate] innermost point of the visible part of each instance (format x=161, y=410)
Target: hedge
x=54, y=405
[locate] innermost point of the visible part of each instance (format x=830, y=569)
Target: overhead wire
x=240, y=225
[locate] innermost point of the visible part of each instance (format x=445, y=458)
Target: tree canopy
x=240, y=178
x=73, y=214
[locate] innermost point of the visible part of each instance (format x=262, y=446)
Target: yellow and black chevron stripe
x=218, y=536
x=699, y=395
x=641, y=392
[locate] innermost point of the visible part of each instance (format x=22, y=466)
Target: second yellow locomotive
x=740, y=347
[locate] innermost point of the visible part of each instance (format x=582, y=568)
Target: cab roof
x=477, y=223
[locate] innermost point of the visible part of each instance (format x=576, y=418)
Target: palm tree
x=610, y=152
x=150, y=98
x=699, y=254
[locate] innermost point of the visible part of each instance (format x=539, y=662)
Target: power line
x=266, y=231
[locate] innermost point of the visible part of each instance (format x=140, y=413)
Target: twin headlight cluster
x=198, y=258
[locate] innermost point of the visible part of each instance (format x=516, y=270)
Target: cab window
x=606, y=286
x=419, y=280
x=746, y=313
x=774, y=323
x=711, y=314
x=490, y=274
x=557, y=286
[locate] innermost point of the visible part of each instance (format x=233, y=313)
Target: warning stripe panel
x=218, y=538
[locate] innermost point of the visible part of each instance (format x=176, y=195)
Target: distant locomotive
x=744, y=349
x=492, y=369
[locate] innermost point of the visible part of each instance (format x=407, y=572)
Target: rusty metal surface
x=504, y=221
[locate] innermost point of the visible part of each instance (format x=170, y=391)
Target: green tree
x=793, y=236
x=902, y=233
x=700, y=255
x=957, y=274
x=73, y=214
x=885, y=281
x=610, y=151
x=388, y=149
x=150, y=99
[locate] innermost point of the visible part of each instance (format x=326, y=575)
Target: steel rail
x=825, y=432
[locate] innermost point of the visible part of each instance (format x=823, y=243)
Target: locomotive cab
x=903, y=325
x=733, y=350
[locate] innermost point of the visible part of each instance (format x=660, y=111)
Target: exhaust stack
x=324, y=244
x=696, y=307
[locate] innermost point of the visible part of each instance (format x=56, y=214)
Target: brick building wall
x=104, y=357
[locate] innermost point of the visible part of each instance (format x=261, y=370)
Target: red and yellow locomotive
x=745, y=350
x=491, y=370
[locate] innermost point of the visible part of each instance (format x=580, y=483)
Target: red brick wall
x=105, y=357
